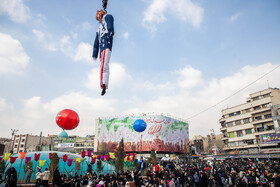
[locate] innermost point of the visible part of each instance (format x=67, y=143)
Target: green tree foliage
x=120, y=156
x=77, y=166
x=153, y=158
x=53, y=164
x=135, y=164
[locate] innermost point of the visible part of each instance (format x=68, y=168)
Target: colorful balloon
x=139, y=125
x=67, y=119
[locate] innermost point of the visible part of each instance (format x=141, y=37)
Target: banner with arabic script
x=164, y=134
x=270, y=138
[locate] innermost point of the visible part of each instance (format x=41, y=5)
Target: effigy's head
x=99, y=15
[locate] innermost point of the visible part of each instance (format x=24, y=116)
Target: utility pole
x=13, y=133
x=214, y=137
x=38, y=148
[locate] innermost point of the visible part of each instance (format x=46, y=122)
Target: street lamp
x=13, y=133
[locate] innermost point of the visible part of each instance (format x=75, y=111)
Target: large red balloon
x=67, y=119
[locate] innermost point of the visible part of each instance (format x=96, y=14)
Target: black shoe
x=103, y=90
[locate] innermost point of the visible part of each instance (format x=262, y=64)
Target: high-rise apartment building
x=244, y=125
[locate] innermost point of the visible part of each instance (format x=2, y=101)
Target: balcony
x=223, y=119
x=264, y=132
x=260, y=110
x=223, y=128
x=262, y=120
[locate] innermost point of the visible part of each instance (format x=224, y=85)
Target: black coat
x=56, y=177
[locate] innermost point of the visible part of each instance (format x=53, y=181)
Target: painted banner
x=270, y=138
x=163, y=133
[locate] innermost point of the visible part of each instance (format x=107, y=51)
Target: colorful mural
x=163, y=133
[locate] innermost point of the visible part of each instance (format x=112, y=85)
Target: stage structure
x=163, y=133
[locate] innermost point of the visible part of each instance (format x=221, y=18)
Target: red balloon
x=67, y=119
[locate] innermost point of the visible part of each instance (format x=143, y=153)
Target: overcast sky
x=169, y=56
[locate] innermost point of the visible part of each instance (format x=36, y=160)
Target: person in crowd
x=46, y=176
x=56, y=177
x=39, y=176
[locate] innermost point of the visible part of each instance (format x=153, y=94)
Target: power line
x=233, y=94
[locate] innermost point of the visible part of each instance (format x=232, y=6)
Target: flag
x=38, y=168
x=245, y=179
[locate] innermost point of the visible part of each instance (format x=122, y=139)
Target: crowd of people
x=175, y=173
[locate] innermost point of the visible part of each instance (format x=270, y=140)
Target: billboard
x=164, y=134
x=270, y=138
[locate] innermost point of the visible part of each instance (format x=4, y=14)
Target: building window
x=267, y=116
x=266, y=105
x=15, y=146
x=246, y=120
x=249, y=142
x=248, y=131
x=21, y=145
x=232, y=143
x=231, y=135
x=257, y=118
x=238, y=122
x=256, y=98
x=239, y=133
x=270, y=127
x=257, y=107
x=240, y=143
x=234, y=114
x=260, y=127
x=266, y=95
x=230, y=124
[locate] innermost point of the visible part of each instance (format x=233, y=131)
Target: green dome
x=63, y=134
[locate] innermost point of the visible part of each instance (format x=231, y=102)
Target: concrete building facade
x=206, y=145
x=242, y=125
x=28, y=143
x=73, y=144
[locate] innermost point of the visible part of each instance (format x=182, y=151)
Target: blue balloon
x=139, y=125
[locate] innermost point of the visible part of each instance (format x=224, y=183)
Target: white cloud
x=125, y=35
x=189, y=77
x=86, y=26
x=4, y=105
x=15, y=9
x=118, y=77
x=13, y=58
x=39, y=116
x=184, y=10
x=235, y=17
x=83, y=52
x=40, y=35
x=35, y=115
